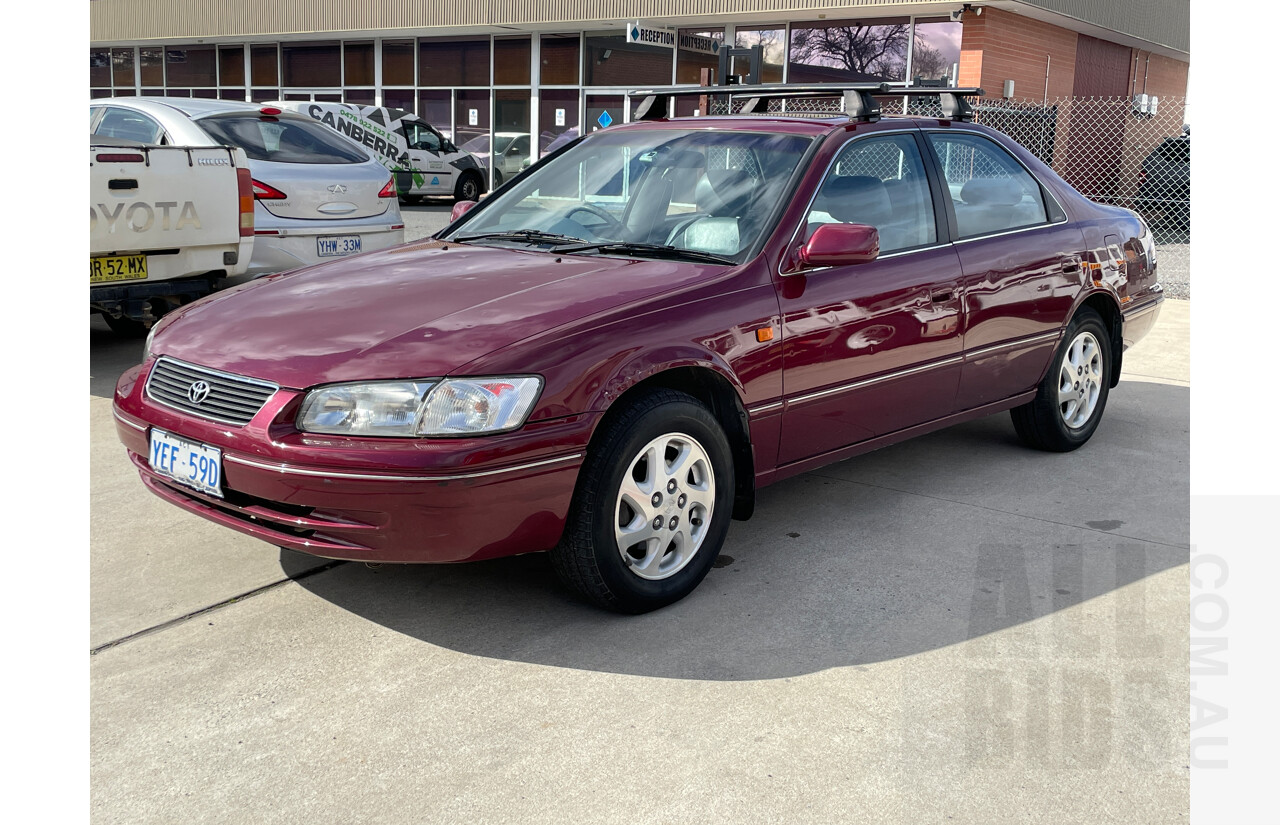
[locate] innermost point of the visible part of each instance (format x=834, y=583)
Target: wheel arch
x=712, y=388
x=1105, y=304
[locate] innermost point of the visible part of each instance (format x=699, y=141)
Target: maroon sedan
x=608, y=358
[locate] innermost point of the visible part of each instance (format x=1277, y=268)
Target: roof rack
x=858, y=100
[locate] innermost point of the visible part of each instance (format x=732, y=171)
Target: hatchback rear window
x=283, y=140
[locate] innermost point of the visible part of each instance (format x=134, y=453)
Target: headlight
x=403, y=409
x=146, y=348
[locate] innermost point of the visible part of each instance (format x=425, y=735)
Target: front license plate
x=117, y=268
x=336, y=246
x=196, y=465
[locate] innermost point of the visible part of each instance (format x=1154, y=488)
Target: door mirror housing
x=841, y=244
x=461, y=208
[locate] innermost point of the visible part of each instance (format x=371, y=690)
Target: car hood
x=414, y=311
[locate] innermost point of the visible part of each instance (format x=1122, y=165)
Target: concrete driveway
x=955, y=629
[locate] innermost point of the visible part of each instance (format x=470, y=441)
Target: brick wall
x=997, y=46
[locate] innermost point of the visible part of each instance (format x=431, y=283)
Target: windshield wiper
x=649, y=250
x=526, y=235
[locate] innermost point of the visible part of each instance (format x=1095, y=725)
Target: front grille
x=232, y=399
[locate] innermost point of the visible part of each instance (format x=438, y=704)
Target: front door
x=872, y=348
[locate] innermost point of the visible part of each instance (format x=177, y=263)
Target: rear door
x=872, y=348
x=1022, y=263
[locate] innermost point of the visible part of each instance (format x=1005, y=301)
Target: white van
x=427, y=162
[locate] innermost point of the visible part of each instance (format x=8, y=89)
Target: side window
x=880, y=182
x=122, y=123
x=990, y=190
x=421, y=138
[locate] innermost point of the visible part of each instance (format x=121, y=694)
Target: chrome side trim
x=764, y=408
x=1018, y=342
x=298, y=471
x=1013, y=231
x=866, y=382
x=142, y=428
x=1137, y=309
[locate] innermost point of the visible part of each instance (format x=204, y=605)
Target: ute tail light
x=244, y=182
x=120, y=157
x=263, y=192
x=389, y=191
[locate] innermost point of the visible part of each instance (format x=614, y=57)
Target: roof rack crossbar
x=858, y=99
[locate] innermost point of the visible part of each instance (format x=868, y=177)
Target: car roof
x=192, y=107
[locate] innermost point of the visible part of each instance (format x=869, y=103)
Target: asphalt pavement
x=953, y=629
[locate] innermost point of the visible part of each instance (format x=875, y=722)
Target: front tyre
x=652, y=507
x=468, y=188
x=1070, y=400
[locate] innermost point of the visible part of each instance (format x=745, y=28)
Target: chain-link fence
x=1104, y=147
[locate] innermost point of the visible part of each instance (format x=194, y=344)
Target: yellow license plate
x=117, y=268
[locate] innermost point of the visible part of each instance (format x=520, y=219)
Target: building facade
x=494, y=74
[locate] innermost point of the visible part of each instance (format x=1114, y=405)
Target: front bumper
x=377, y=500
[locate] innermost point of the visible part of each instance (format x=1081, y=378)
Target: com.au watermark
x=1210, y=614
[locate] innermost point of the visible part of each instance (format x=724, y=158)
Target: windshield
x=702, y=191
x=283, y=140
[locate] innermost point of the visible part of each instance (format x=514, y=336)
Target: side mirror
x=841, y=244
x=461, y=208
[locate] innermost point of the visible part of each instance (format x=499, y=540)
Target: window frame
x=942, y=228
x=1054, y=213
x=162, y=135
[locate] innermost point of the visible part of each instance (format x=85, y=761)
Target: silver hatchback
x=317, y=195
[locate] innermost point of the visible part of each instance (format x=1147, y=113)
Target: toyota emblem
x=198, y=392
x=337, y=189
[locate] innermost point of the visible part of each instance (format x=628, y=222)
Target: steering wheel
x=614, y=226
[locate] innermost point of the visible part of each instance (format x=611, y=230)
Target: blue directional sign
x=604, y=120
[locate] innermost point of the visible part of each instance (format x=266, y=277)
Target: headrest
x=993, y=191
x=855, y=199
x=726, y=192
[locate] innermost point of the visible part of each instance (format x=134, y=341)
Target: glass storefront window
x=435, y=107
x=560, y=53
x=231, y=66
x=471, y=118
x=398, y=98
x=310, y=64
x=259, y=95
x=598, y=106
x=360, y=97
x=191, y=66
x=122, y=68
x=611, y=61
x=512, y=145
x=774, y=45
x=511, y=57
x=691, y=57
x=99, y=67
x=936, y=51
x=397, y=63
x=151, y=66
x=357, y=64
x=231, y=94
x=558, y=118
x=863, y=51
x=453, y=61
x=265, y=67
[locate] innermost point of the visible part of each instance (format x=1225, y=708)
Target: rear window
x=283, y=140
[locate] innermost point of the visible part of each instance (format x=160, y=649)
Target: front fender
x=645, y=364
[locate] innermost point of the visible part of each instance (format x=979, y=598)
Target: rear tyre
x=1070, y=400
x=468, y=188
x=127, y=327
x=652, y=506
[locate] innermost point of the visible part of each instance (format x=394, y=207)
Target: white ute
x=166, y=224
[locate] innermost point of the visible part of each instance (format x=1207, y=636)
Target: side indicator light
x=765, y=334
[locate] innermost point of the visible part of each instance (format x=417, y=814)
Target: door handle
x=1071, y=266
x=941, y=296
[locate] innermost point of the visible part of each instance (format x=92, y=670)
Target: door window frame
x=1054, y=213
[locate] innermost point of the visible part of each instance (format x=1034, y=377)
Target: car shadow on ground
x=909, y=549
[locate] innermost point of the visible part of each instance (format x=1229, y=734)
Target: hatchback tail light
x=263, y=192
x=245, y=184
x=389, y=191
